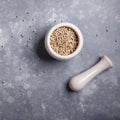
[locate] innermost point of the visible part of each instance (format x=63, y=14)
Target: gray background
x=33, y=86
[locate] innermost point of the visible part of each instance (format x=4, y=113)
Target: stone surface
x=33, y=86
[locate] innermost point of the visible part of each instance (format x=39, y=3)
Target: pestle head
x=73, y=84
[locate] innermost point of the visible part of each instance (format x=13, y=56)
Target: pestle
x=79, y=81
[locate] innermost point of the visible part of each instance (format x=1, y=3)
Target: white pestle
x=81, y=80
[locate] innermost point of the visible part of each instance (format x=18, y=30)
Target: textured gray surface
x=32, y=85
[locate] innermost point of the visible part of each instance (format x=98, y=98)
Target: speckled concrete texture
x=33, y=86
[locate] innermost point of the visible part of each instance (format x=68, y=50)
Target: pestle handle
x=81, y=80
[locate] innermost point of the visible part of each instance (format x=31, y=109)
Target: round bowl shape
x=56, y=55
